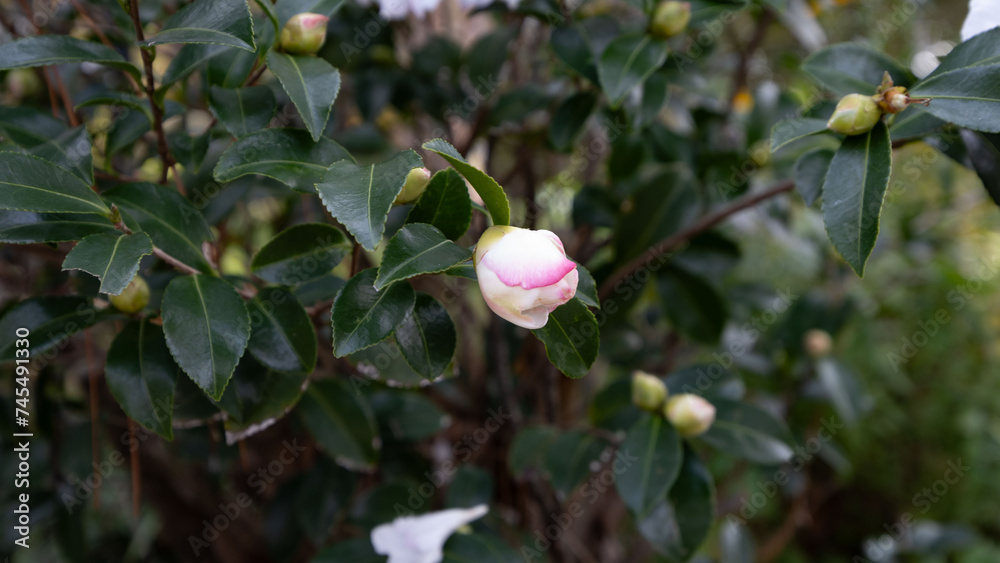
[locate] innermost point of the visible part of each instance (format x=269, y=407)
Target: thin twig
x=147, y=63
x=67, y=102
x=743, y=68
x=95, y=445
x=133, y=446
x=96, y=28
x=159, y=253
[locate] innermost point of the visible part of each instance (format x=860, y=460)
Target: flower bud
x=648, y=391
x=855, y=114
x=133, y=298
x=817, y=343
x=304, y=33
x=523, y=274
x=690, y=414
x=416, y=182
x=670, y=18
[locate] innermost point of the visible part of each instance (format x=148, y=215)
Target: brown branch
x=256, y=76
x=133, y=447
x=95, y=444
x=743, y=68
x=147, y=63
x=159, y=253
x=706, y=222
x=67, y=102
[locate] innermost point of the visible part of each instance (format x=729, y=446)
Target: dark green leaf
x=657, y=447
x=969, y=97
x=243, y=110
x=120, y=99
x=189, y=59
x=984, y=152
x=363, y=316
x=28, y=127
x=916, y=121
x=571, y=337
x=357, y=550
x=488, y=188
x=693, y=305
x=207, y=329
x=287, y=155
x=529, y=447
x=114, y=259
x=188, y=150
x=44, y=50
x=627, y=62
x=479, y=547
x=747, y=431
x=486, y=58
x=282, y=335
x=342, y=423
x=445, y=204
x=791, y=130
x=982, y=49
x=26, y=227
x=853, y=192
x=129, y=125
x=28, y=183
x=50, y=320
x=70, y=150
x=661, y=207
x=418, y=249
x=568, y=459
x=360, y=197
x=810, y=172
x=406, y=416
x=678, y=526
x=257, y=397
x=571, y=47
x=231, y=68
x=849, y=68
x=570, y=119
x=311, y=83
x=221, y=22
x=586, y=289
x=469, y=487
x=301, y=253
x=141, y=375
x=842, y=388
x=427, y=337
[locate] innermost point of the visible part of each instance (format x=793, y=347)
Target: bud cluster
x=690, y=414
x=857, y=113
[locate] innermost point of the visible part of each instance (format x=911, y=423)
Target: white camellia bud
x=420, y=539
x=690, y=414
x=523, y=274
x=304, y=33
x=416, y=183
x=648, y=391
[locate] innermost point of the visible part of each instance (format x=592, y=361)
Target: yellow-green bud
x=855, y=114
x=690, y=414
x=817, y=343
x=416, y=182
x=304, y=33
x=648, y=391
x=133, y=298
x=670, y=18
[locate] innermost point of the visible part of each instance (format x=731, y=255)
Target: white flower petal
x=420, y=539
x=984, y=15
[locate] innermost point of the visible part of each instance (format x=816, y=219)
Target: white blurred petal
x=984, y=15
x=420, y=539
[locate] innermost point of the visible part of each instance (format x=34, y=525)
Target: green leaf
x=207, y=329
x=141, y=375
x=916, y=121
x=231, y=68
x=679, y=524
x=301, y=253
x=268, y=9
x=27, y=227
x=569, y=120
x=810, y=172
x=114, y=259
x=287, y=155
x=571, y=47
x=28, y=127
x=342, y=423
x=406, y=416
x=661, y=207
x=363, y=316
x=427, y=337
x=445, y=204
x=171, y=221
x=50, y=320
x=984, y=151
x=261, y=397
x=694, y=306
x=843, y=389
x=747, y=431
x=120, y=99
x=243, y=110
x=188, y=59
x=969, y=97
x=70, y=150
x=43, y=50
x=586, y=289
x=848, y=68
x=360, y=197
x=415, y=250
x=479, y=547
x=527, y=451
x=285, y=9
x=791, y=130
x=853, y=192
x=657, y=446
x=311, y=83
x=282, y=335
x=982, y=49
x=627, y=62
x=487, y=188
x=571, y=337
x=28, y=183
x=568, y=459
x=469, y=487
x=130, y=125
x=221, y=22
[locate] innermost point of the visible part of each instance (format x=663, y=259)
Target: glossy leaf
x=842, y=388
x=571, y=337
x=569, y=458
x=70, y=150
x=657, y=446
x=487, y=188
x=427, y=337
x=627, y=62
x=571, y=47
x=301, y=253
x=50, y=320
x=853, y=192
x=287, y=155
x=916, y=121
x=586, y=289
x=984, y=151
x=207, y=329
x=445, y=204
x=243, y=110
x=791, y=130
x=221, y=22
x=528, y=449
x=661, y=207
x=810, y=173
x=141, y=375
x=311, y=83
x=570, y=119
x=848, y=68
x=747, y=431
x=406, y=416
x=360, y=197
x=363, y=316
x=479, y=547
x=28, y=183
x=415, y=250
x=188, y=59
x=43, y=50
x=680, y=523
x=982, y=49
x=969, y=97
x=258, y=397
x=29, y=127
x=113, y=259
x=694, y=306
x=26, y=227
x=342, y=422
x=282, y=335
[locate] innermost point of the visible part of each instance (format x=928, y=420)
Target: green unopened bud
x=133, y=298
x=690, y=414
x=855, y=114
x=817, y=343
x=416, y=182
x=304, y=34
x=648, y=391
x=670, y=18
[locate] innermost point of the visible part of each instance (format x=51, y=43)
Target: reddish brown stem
x=147, y=63
x=133, y=446
x=95, y=446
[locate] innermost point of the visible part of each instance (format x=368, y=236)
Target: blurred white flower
x=983, y=15
x=420, y=539
x=399, y=9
